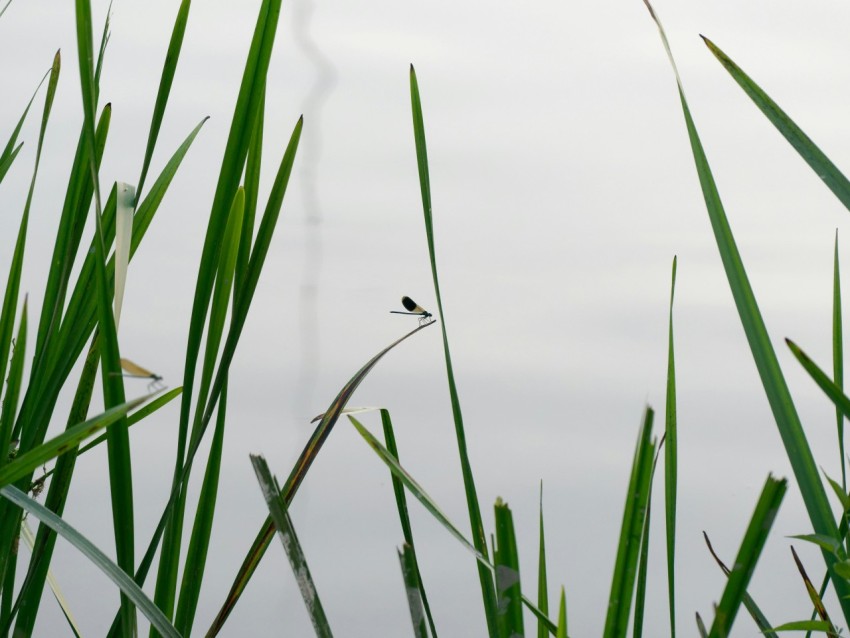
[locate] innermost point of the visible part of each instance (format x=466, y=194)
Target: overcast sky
x=563, y=185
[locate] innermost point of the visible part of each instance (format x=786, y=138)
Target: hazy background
x=562, y=185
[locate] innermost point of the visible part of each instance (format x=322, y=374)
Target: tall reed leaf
x=671, y=455
x=479, y=537
x=409, y=572
x=292, y=547
x=542, y=586
x=631, y=532
x=506, y=562
x=808, y=150
x=248, y=104
x=748, y=555
x=776, y=389
x=838, y=357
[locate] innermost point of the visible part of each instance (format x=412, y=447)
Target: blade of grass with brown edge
x=750, y=605
x=808, y=150
x=292, y=547
x=431, y=506
x=813, y=595
x=631, y=530
x=248, y=104
x=748, y=555
x=671, y=454
x=775, y=387
x=404, y=518
x=299, y=471
x=488, y=591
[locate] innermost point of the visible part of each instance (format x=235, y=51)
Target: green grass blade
x=671, y=455
x=10, y=300
x=252, y=194
x=808, y=150
x=488, y=591
x=299, y=471
x=13, y=389
x=7, y=155
x=542, y=585
x=286, y=531
x=196, y=558
x=432, y=507
x=98, y=558
x=832, y=391
x=24, y=464
x=168, y=70
x=838, y=357
x=643, y=561
x=748, y=555
x=562, y=616
x=703, y=632
x=506, y=561
x=248, y=103
x=631, y=530
x=785, y=414
x=404, y=518
x=410, y=575
x=750, y=604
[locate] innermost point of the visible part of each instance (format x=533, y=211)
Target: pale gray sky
x=563, y=185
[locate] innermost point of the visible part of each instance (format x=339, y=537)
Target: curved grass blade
x=299, y=471
x=29, y=539
x=813, y=595
x=24, y=464
x=98, y=558
x=404, y=518
x=748, y=555
x=631, y=530
x=286, y=532
x=6, y=161
x=542, y=586
x=808, y=150
x=785, y=414
x=506, y=562
x=432, y=507
x=410, y=574
x=168, y=70
x=838, y=357
x=750, y=605
x=488, y=591
x=671, y=455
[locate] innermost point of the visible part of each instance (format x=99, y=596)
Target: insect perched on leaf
x=413, y=308
x=135, y=371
